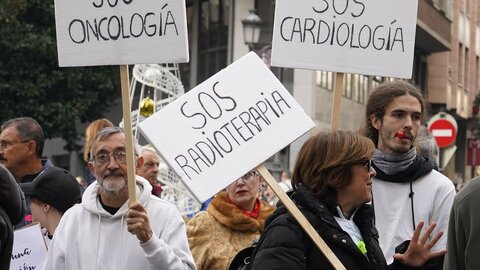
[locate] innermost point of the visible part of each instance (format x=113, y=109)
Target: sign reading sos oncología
x=121, y=32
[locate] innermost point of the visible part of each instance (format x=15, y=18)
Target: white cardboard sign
x=374, y=37
x=226, y=126
x=29, y=249
x=118, y=32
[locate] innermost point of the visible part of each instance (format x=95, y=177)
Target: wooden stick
x=337, y=100
x=300, y=218
x=127, y=127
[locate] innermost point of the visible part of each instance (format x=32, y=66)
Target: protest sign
x=29, y=248
x=226, y=126
x=121, y=32
x=374, y=37
x=111, y=32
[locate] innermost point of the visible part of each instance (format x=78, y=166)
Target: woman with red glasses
x=332, y=182
x=233, y=220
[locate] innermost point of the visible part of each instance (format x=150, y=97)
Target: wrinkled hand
x=138, y=223
x=418, y=252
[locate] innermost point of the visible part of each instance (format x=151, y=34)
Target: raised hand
x=418, y=251
x=138, y=222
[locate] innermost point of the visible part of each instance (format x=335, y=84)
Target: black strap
x=411, y=203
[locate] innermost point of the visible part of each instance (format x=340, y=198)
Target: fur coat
x=215, y=236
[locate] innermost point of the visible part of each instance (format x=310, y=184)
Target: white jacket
x=433, y=198
x=90, y=238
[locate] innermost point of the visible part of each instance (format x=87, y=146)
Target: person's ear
x=31, y=144
x=91, y=168
x=46, y=207
x=140, y=162
x=375, y=121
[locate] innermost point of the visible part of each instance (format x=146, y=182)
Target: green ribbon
x=362, y=247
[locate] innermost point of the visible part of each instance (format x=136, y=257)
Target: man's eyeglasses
x=248, y=177
x=120, y=156
x=6, y=144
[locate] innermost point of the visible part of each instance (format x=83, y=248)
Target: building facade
x=446, y=68
x=453, y=82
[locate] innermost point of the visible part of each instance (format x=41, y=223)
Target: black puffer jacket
x=286, y=246
x=12, y=209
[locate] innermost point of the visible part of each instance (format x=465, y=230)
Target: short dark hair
x=28, y=129
x=382, y=96
x=322, y=164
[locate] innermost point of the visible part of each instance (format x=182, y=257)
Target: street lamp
x=251, y=29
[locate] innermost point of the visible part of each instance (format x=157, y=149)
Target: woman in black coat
x=332, y=184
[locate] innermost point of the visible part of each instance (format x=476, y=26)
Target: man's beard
x=113, y=181
x=389, y=141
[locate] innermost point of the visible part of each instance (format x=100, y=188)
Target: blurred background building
x=446, y=67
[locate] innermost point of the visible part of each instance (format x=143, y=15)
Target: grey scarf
x=392, y=164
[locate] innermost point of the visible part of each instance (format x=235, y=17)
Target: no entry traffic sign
x=444, y=128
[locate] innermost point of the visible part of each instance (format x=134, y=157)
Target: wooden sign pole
x=337, y=100
x=127, y=127
x=300, y=218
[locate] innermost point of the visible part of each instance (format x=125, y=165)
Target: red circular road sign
x=444, y=132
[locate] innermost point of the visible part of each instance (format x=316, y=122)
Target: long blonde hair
x=90, y=133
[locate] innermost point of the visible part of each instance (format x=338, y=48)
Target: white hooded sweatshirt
x=90, y=238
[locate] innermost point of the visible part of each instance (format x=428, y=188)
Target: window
x=420, y=70
x=212, y=38
x=477, y=64
x=376, y=80
x=460, y=64
x=464, y=99
x=362, y=88
x=366, y=87
x=325, y=80
x=207, y=22
x=356, y=87
x=466, y=70
x=347, y=86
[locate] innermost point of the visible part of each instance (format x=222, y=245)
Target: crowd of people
x=374, y=195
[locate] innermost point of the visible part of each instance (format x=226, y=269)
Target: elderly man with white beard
x=106, y=231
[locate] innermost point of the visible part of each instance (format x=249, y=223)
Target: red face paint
x=401, y=135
